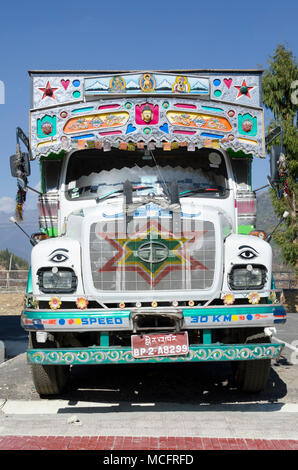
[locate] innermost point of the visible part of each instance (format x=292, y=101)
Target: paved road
x=186, y=400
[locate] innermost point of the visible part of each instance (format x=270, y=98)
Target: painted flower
x=81, y=303
x=228, y=299
x=254, y=298
x=55, y=303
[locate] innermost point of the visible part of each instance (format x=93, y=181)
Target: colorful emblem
x=228, y=299
x=243, y=89
x=199, y=120
x=117, y=84
x=81, y=303
x=147, y=113
x=247, y=125
x=153, y=252
x=48, y=91
x=96, y=121
x=55, y=303
x=46, y=127
x=181, y=85
x=254, y=298
x=147, y=83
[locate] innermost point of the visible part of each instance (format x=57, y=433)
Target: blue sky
x=160, y=34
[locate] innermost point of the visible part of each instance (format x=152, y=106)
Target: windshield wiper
x=120, y=191
x=202, y=190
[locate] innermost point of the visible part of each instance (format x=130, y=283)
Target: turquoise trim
x=232, y=310
x=114, y=355
x=207, y=336
x=104, y=339
x=34, y=314
x=29, y=288
x=187, y=312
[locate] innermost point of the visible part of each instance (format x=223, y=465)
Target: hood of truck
x=153, y=251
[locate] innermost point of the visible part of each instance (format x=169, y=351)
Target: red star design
x=48, y=91
x=240, y=92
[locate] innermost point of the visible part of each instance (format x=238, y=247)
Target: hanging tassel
x=20, y=199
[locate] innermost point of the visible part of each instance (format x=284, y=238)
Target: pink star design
x=48, y=91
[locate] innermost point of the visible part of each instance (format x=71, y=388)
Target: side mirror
x=274, y=158
x=283, y=218
x=20, y=164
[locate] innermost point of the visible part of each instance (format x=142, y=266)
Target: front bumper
x=123, y=355
x=122, y=320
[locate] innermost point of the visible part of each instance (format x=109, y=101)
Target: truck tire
x=48, y=380
x=252, y=376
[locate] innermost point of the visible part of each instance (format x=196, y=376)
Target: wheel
x=48, y=380
x=252, y=376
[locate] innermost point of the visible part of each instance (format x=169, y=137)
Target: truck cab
x=148, y=250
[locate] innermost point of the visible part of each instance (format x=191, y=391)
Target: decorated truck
x=147, y=250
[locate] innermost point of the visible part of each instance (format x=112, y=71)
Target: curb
x=2, y=352
x=140, y=443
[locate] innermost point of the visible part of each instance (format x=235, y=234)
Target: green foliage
x=9, y=259
x=277, y=86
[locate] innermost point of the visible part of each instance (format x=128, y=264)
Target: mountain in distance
x=12, y=238
x=164, y=86
x=131, y=86
x=198, y=86
x=267, y=220
x=97, y=86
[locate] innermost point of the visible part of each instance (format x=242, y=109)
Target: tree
x=280, y=95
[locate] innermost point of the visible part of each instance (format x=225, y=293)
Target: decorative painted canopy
x=104, y=110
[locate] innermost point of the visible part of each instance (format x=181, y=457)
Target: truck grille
x=144, y=254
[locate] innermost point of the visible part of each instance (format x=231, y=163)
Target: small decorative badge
x=254, y=298
x=55, y=303
x=228, y=299
x=81, y=303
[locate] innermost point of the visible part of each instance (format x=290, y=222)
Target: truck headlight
x=247, y=277
x=57, y=280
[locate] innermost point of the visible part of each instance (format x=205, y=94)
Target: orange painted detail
x=95, y=121
x=199, y=121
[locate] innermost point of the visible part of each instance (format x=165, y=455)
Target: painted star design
x=127, y=257
x=48, y=91
x=243, y=86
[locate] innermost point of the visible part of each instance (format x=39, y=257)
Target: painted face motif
x=147, y=114
x=59, y=255
x=247, y=252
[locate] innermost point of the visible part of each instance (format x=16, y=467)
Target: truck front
x=150, y=253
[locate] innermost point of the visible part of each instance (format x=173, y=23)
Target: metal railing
x=13, y=280
x=285, y=280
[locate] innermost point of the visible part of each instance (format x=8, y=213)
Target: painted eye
x=247, y=254
x=58, y=258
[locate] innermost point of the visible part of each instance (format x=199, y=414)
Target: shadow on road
x=171, y=384
x=14, y=337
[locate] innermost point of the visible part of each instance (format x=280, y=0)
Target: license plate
x=159, y=344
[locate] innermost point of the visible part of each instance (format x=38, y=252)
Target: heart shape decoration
x=228, y=82
x=65, y=84
x=130, y=128
x=165, y=128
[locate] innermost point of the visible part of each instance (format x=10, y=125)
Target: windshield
x=97, y=174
